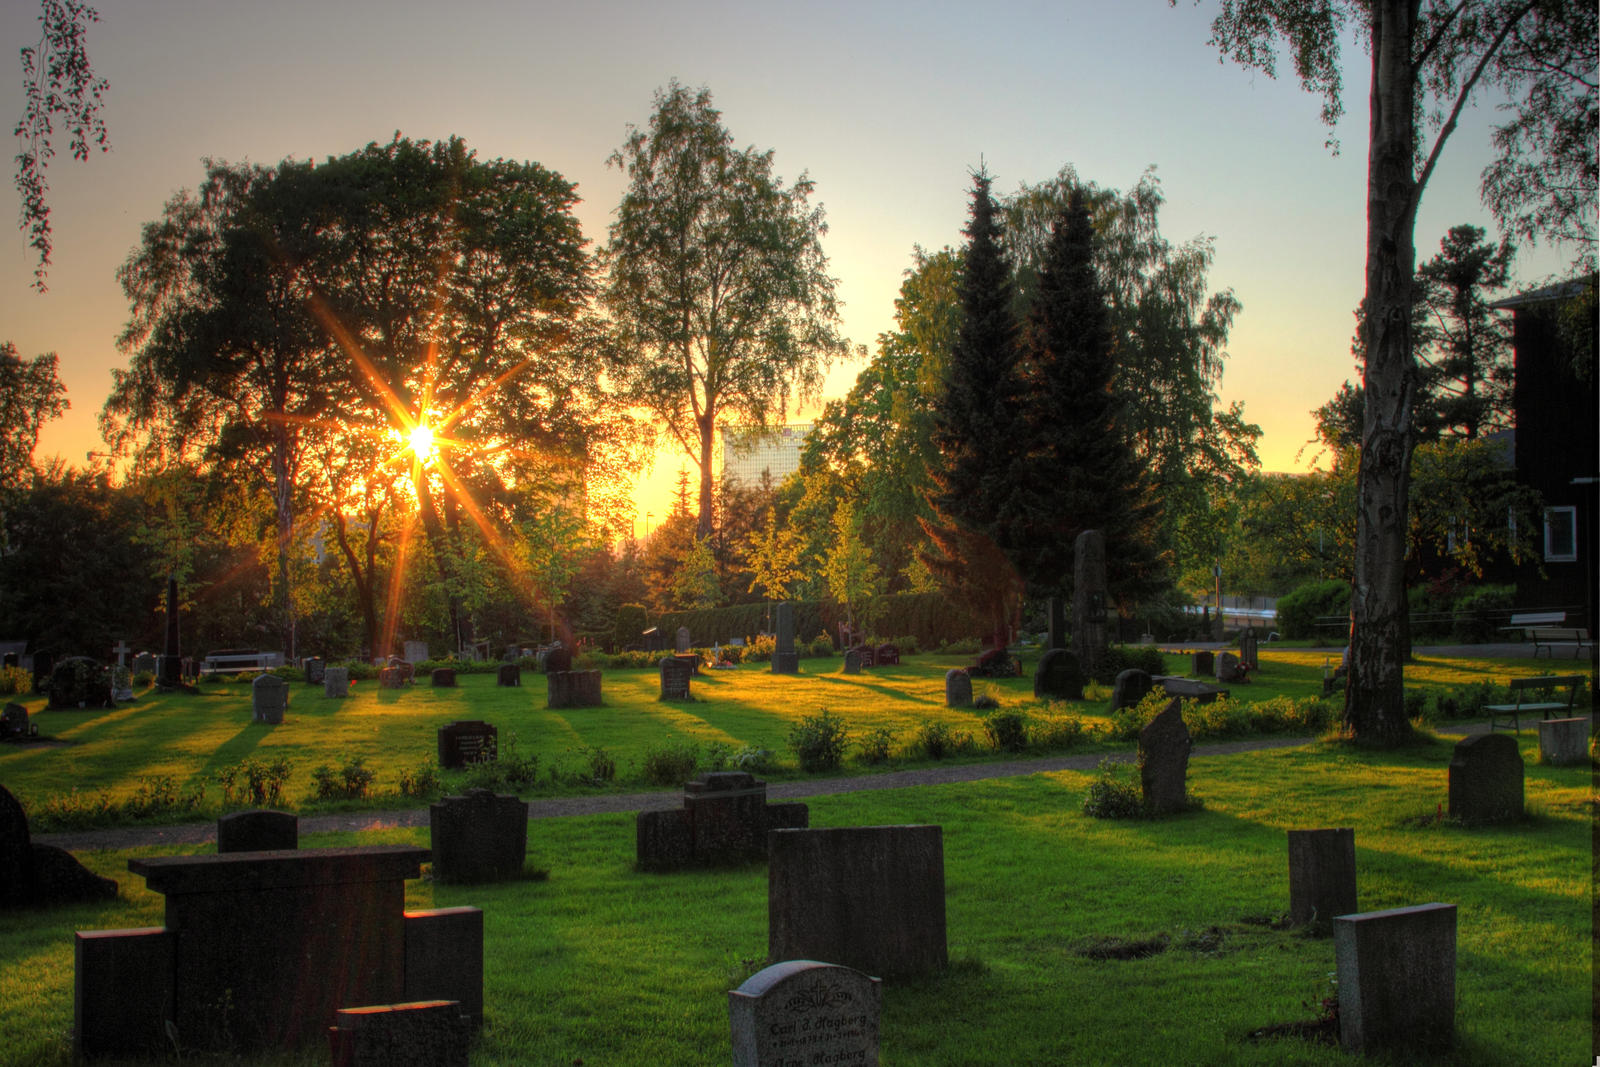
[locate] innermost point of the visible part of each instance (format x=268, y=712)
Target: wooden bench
x=239, y=660
x=1510, y=715
x=1550, y=638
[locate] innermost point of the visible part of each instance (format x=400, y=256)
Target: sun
x=422, y=443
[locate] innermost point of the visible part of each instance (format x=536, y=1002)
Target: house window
x=1560, y=535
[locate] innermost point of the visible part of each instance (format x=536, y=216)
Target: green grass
x=181, y=742
x=604, y=965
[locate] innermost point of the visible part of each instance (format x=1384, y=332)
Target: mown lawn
x=601, y=965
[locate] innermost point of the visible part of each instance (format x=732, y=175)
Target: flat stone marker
x=261, y=830
x=869, y=897
x=1059, y=676
x=468, y=741
x=424, y=1033
x=957, y=688
x=269, y=696
x=1486, y=779
x=1131, y=686
x=1564, y=742
x=1164, y=746
x=1397, y=978
x=336, y=682
x=480, y=836
x=1322, y=875
x=805, y=1012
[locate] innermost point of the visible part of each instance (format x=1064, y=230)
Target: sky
x=888, y=106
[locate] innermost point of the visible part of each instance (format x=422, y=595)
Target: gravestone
x=1204, y=663
x=869, y=897
x=44, y=664
x=887, y=656
x=1486, y=779
x=572, y=689
x=41, y=875
x=725, y=818
x=1249, y=650
x=556, y=658
x=1089, y=599
x=122, y=991
x=391, y=678
x=261, y=830
x=480, y=836
x=416, y=651
x=852, y=661
x=785, y=660
x=1230, y=669
x=1397, y=979
x=1059, y=676
x=1189, y=689
x=508, y=674
x=144, y=663
x=423, y=1033
x=121, y=684
x=957, y=688
x=407, y=669
x=269, y=696
x=13, y=723
x=316, y=669
x=805, y=1012
x=79, y=682
x=682, y=642
x=1564, y=742
x=169, y=669
x=336, y=682
x=468, y=741
x=675, y=675
x=1056, y=627
x=1164, y=746
x=1131, y=686
x=1322, y=875
x=444, y=678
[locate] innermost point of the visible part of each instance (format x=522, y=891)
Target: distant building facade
x=750, y=451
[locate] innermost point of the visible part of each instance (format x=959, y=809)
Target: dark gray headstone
x=269, y=696
x=804, y=1012
x=1164, y=746
x=444, y=958
x=13, y=723
x=785, y=658
x=16, y=855
x=1564, y=742
x=1204, y=663
x=391, y=678
x=725, y=818
x=682, y=642
x=1249, y=650
x=34, y=874
x=558, y=658
x=573, y=689
x=144, y=663
x=1131, y=686
x=416, y=651
x=1322, y=875
x=1090, y=599
x=887, y=656
x=257, y=831
x=316, y=669
x=336, y=682
x=1056, y=635
x=1229, y=668
x=508, y=674
x=426, y=1033
x=675, y=675
x=957, y=688
x=444, y=678
x=468, y=741
x=478, y=837
x=868, y=897
x=44, y=664
x=1059, y=676
x=852, y=661
x=122, y=992
x=1486, y=779
x=1397, y=979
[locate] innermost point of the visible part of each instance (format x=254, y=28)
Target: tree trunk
x=707, y=427
x=1375, y=695
x=441, y=548
x=285, y=515
x=363, y=582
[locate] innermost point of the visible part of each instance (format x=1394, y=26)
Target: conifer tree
x=1075, y=467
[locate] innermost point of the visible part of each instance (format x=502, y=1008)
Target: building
x=750, y=451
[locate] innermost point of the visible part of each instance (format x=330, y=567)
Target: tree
x=851, y=575
x=694, y=585
x=58, y=86
x=975, y=417
x=1076, y=469
x=716, y=282
x=1428, y=59
x=31, y=394
x=1465, y=356
x=774, y=558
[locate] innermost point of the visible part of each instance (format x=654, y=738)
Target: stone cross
x=121, y=649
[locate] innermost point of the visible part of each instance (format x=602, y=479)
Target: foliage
x=59, y=87
x=774, y=558
x=1114, y=795
x=350, y=782
x=602, y=766
x=694, y=586
x=670, y=764
x=852, y=576
x=423, y=783
x=253, y=782
x=820, y=647
x=935, y=739
x=1300, y=608
x=15, y=681
x=875, y=745
x=31, y=394
x=1007, y=731
x=630, y=624
x=717, y=286
x=819, y=742
x=1115, y=659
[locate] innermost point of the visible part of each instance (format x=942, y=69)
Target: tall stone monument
x=785, y=660
x=169, y=668
x=1089, y=599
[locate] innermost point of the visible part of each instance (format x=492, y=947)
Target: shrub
x=876, y=745
x=759, y=649
x=718, y=753
x=1114, y=795
x=1059, y=731
x=158, y=794
x=350, y=782
x=1119, y=658
x=965, y=647
x=144, y=679
x=1007, y=730
x=254, y=782
x=820, y=647
x=670, y=764
x=818, y=741
x=1478, y=611
x=907, y=645
x=629, y=624
x=1299, y=610
x=935, y=740
x=754, y=759
x=602, y=768
x=15, y=680
x=423, y=783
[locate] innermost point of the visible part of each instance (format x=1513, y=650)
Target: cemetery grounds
x=1072, y=939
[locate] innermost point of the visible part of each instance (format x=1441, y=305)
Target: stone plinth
x=725, y=818
x=1486, y=779
x=427, y=1033
x=805, y=1012
x=1164, y=746
x=444, y=958
x=868, y=897
x=1397, y=978
x=572, y=689
x=1564, y=742
x=122, y=990
x=478, y=837
x=1322, y=875
x=261, y=830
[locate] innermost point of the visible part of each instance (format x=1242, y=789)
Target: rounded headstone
x=1486, y=779
x=957, y=688
x=269, y=696
x=1059, y=676
x=852, y=661
x=1132, y=686
x=336, y=682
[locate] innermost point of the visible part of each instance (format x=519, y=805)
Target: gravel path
x=607, y=803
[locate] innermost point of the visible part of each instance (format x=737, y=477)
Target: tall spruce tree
x=975, y=429
x=1075, y=467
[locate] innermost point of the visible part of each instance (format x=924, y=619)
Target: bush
x=1119, y=658
x=1479, y=612
x=629, y=624
x=968, y=646
x=935, y=740
x=754, y=759
x=1007, y=730
x=1059, y=731
x=423, y=783
x=821, y=647
x=670, y=764
x=602, y=768
x=15, y=680
x=876, y=745
x=818, y=741
x=759, y=649
x=1299, y=610
x=351, y=782
x=254, y=782
x=1114, y=795
x=158, y=794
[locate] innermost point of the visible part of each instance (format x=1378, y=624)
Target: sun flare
x=422, y=443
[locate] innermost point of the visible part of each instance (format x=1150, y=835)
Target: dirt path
x=607, y=803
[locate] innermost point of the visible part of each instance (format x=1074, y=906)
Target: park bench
x=1550, y=638
x=238, y=660
x=1526, y=694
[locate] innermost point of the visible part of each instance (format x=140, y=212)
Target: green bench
x=1525, y=694
x=1549, y=638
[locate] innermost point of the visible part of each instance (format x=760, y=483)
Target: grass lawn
x=601, y=965
x=180, y=742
